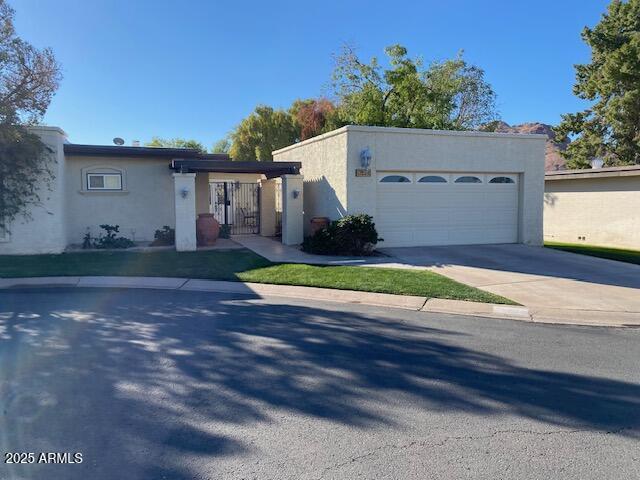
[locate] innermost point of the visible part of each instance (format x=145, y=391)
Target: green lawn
x=242, y=265
x=622, y=255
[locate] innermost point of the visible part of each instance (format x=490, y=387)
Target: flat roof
x=414, y=131
x=76, y=149
x=269, y=169
x=624, y=171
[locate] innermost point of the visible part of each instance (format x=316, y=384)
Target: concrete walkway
x=416, y=303
x=274, y=251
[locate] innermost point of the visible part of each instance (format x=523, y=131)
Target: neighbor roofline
x=624, y=171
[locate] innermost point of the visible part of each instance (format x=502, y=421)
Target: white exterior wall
x=45, y=231
x=325, y=175
x=605, y=211
x=145, y=204
x=329, y=162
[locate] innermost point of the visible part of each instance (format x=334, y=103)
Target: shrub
x=166, y=236
x=351, y=235
x=225, y=231
x=110, y=240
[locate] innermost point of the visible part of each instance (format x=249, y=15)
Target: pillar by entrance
x=185, y=206
x=292, y=210
x=268, y=208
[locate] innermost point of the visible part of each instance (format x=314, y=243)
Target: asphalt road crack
x=445, y=440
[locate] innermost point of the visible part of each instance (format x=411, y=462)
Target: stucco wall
x=329, y=163
x=145, y=205
x=606, y=211
x=44, y=231
x=323, y=161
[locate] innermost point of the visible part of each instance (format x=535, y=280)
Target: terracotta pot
x=318, y=223
x=207, y=229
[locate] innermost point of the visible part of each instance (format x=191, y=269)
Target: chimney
x=135, y=143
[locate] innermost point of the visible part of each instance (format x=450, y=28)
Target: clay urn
x=207, y=229
x=318, y=223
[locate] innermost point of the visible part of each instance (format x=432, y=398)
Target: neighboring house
x=593, y=206
x=426, y=187
x=422, y=187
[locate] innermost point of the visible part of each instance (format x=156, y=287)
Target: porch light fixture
x=365, y=158
x=295, y=193
x=184, y=193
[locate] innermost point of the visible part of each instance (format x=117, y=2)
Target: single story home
x=426, y=187
x=599, y=206
x=422, y=187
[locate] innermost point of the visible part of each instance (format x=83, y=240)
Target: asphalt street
x=151, y=384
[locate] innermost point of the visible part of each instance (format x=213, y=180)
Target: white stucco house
x=599, y=206
x=422, y=187
x=426, y=187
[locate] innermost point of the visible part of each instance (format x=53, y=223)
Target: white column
x=268, y=208
x=185, y=200
x=292, y=211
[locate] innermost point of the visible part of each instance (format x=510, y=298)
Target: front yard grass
x=620, y=254
x=245, y=266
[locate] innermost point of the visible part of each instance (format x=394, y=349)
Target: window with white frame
x=104, y=181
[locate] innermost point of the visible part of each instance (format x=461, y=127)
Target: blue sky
x=194, y=69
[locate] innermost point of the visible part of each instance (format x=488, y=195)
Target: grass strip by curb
x=242, y=265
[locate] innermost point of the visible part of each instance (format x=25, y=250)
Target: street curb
x=406, y=302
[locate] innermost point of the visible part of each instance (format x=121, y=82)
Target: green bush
x=351, y=235
x=165, y=236
x=110, y=240
x=225, y=231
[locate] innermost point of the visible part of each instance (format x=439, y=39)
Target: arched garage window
x=501, y=180
x=468, y=179
x=395, y=179
x=432, y=179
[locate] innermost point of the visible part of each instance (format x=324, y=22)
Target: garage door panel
x=412, y=214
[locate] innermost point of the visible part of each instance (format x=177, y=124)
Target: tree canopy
x=263, y=131
x=610, y=128
x=176, y=143
x=449, y=95
x=28, y=80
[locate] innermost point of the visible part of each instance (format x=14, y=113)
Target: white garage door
x=423, y=208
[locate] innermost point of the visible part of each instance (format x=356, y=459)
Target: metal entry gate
x=236, y=204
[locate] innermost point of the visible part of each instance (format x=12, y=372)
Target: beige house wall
x=324, y=169
x=144, y=205
x=329, y=163
x=605, y=211
x=44, y=229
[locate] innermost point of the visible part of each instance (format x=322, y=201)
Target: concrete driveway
x=151, y=384
x=534, y=276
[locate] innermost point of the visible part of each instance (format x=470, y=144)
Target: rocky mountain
x=553, y=160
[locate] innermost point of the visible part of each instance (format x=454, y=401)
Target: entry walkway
x=274, y=251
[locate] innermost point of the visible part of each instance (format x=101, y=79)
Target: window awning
x=268, y=169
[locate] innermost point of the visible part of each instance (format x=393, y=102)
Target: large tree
x=610, y=128
x=312, y=117
x=262, y=132
x=28, y=80
x=451, y=95
x=176, y=143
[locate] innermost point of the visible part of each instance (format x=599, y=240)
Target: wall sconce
x=365, y=158
x=295, y=193
x=184, y=193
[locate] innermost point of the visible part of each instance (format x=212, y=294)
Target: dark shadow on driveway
x=519, y=258
x=143, y=381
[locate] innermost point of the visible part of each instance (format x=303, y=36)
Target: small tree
x=28, y=80
x=610, y=129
